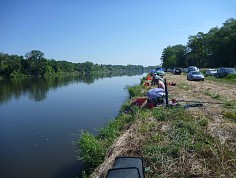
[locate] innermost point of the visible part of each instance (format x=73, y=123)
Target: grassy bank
x=230, y=79
x=172, y=141
x=92, y=149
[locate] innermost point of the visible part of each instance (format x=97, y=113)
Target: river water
x=41, y=117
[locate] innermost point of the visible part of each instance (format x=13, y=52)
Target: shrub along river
x=41, y=117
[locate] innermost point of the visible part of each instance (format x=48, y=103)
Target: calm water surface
x=40, y=118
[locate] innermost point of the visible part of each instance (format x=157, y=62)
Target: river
x=40, y=118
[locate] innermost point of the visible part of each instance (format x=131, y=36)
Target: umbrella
x=153, y=71
x=155, y=93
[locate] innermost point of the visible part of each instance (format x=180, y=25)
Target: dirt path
x=203, y=91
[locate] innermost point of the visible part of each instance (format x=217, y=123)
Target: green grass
x=135, y=90
x=230, y=115
x=230, y=104
x=165, y=113
x=114, y=127
x=185, y=140
x=173, y=140
x=230, y=79
x=213, y=95
x=229, y=111
x=91, y=149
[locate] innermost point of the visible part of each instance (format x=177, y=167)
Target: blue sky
x=106, y=31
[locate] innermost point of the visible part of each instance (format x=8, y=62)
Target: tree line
x=35, y=64
x=213, y=49
x=37, y=88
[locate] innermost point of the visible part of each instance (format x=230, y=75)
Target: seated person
x=158, y=81
x=156, y=96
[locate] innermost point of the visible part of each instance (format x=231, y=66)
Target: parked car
x=185, y=70
x=169, y=70
x=195, y=75
x=176, y=71
x=192, y=68
x=160, y=72
x=211, y=72
x=225, y=71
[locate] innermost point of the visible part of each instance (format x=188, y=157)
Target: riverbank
x=173, y=142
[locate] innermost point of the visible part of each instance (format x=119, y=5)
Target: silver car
x=195, y=75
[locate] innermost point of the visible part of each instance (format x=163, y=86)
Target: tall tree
x=36, y=62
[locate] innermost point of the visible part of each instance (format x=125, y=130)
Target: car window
x=230, y=70
x=196, y=73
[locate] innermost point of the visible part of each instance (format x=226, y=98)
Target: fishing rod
x=166, y=93
x=190, y=101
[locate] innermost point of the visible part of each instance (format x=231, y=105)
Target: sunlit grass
x=92, y=150
x=185, y=142
x=135, y=90
x=175, y=143
x=230, y=79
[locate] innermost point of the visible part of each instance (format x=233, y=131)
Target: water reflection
x=36, y=137
x=37, y=88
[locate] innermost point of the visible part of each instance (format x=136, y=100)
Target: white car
x=211, y=72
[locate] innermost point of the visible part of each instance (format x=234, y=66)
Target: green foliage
x=213, y=49
x=135, y=91
x=35, y=64
x=92, y=150
x=143, y=80
x=173, y=56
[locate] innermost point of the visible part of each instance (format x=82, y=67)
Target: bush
x=135, y=91
x=91, y=149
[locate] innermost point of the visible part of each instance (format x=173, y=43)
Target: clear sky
x=106, y=31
